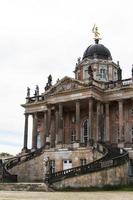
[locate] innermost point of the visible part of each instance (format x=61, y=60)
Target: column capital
x=90, y=98
x=26, y=114
x=120, y=100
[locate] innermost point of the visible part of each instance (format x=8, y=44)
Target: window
x=132, y=133
x=73, y=136
x=52, y=166
x=130, y=172
x=85, y=133
x=82, y=162
x=102, y=73
x=73, y=119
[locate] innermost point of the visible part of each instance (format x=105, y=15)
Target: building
x=71, y=116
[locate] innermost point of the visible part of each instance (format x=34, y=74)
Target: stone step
x=40, y=187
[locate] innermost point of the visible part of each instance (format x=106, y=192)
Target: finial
x=96, y=34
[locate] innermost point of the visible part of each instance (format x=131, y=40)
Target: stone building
x=73, y=114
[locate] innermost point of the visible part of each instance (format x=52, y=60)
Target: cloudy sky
x=42, y=37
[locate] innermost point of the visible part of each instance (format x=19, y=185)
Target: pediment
x=66, y=84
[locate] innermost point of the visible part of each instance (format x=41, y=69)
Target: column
x=34, y=132
x=49, y=120
x=25, y=132
x=107, y=122
x=121, y=131
x=90, y=136
x=61, y=138
x=45, y=134
x=98, y=122
x=56, y=125
x=48, y=124
x=78, y=121
x=101, y=122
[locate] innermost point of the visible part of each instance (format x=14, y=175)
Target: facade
x=70, y=116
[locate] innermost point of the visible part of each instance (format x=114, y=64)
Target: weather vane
x=96, y=33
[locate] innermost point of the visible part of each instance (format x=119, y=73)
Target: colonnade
x=100, y=123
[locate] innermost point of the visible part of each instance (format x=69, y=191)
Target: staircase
x=10, y=163
x=112, y=157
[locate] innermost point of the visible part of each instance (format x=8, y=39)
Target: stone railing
x=99, y=84
x=12, y=162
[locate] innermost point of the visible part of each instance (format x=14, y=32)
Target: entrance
x=67, y=164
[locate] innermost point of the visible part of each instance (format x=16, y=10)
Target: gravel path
x=15, y=195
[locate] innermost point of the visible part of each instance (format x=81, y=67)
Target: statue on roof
x=37, y=90
x=119, y=72
x=28, y=92
x=50, y=80
x=96, y=33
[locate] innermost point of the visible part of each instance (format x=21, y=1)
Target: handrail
x=11, y=162
x=109, y=159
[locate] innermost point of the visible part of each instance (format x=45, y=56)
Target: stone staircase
x=112, y=157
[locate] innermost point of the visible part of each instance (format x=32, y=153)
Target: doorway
x=67, y=164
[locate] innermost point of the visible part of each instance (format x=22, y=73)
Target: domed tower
x=96, y=62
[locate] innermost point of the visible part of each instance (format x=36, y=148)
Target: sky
x=42, y=37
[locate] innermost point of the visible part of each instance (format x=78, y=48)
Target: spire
x=96, y=34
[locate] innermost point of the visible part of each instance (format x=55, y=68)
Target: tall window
x=103, y=73
x=73, y=136
x=132, y=133
x=85, y=132
x=52, y=166
x=82, y=162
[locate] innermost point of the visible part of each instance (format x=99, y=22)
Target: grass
x=98, y=189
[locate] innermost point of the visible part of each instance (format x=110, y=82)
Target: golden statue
x=96, y=32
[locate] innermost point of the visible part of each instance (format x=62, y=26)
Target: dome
x=97, y=51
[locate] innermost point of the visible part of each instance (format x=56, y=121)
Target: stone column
x=78, y=121
x=107, y=122
x=121, y=131
x=48, y=124
x=98, y=122
x=25, y=132
x=56, y=126
x=61, y=138
x=45, y=134
x=34, y=131
x=90, y=136
x=101, y=123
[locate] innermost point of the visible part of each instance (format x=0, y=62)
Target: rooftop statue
x=28, y=92
x=37, y=90
x=96, y=32
x=50, y=80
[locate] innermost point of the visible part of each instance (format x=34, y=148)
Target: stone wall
x=30, y=171
x=34, y=170
x=111, y=176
